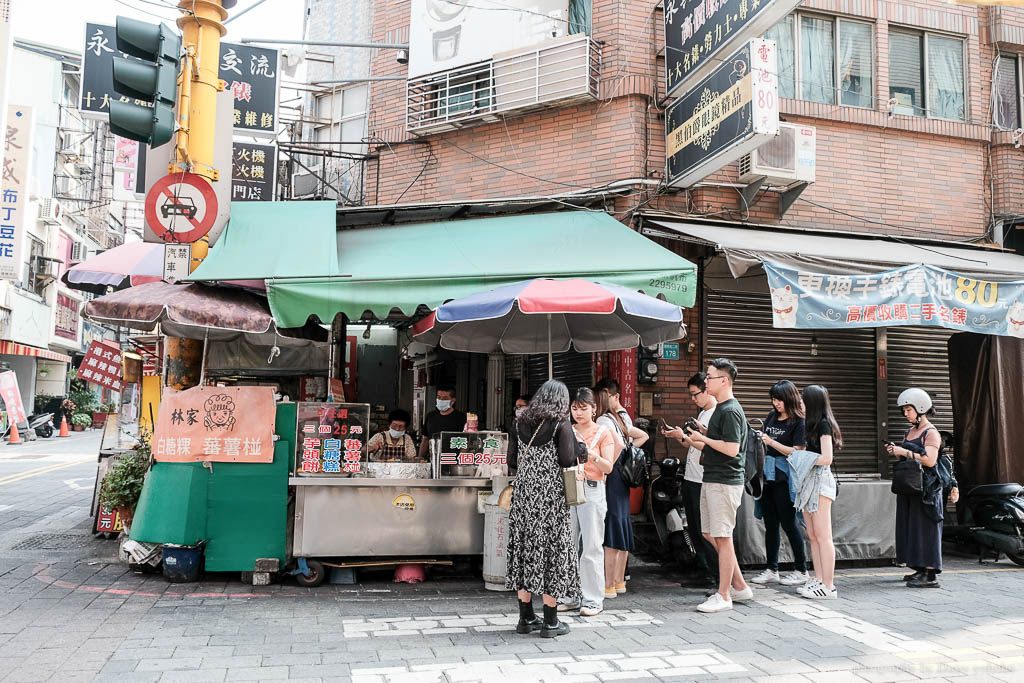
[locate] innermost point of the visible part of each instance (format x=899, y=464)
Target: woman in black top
x=541, y=549
x=783, y=433
x=823, y=438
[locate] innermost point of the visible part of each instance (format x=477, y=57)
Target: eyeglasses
x=695, y=394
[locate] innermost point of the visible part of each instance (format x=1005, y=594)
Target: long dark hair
x=819, y=407
x=551, y=402
x=786, y=391
x=604, y=407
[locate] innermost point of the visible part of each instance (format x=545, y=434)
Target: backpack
x=754, y=452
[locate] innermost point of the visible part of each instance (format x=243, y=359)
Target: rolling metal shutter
x=918, y=358
x=739, y=327
x=575, y=369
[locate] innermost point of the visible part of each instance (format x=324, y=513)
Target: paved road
x=69, y=612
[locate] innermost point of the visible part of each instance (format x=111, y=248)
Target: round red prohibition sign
x=181, y=208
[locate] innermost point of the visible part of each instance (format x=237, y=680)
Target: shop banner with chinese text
x=216, y=424
x=102, y=366
x=912, y=295
x=11, y=395
x=331, y=438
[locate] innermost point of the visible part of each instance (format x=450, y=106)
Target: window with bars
x=1006, y=93
x=825, y=59
x=926, y=75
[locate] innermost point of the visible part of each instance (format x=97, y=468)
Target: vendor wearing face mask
x=393, y=445
x=444, y=419
x=521, y=404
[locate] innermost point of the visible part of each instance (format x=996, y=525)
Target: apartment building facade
x=916, y=107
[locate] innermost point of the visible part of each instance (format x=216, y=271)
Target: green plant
x=41, y=400
x=81, y=419
x=110, y=407
x=122, y=485
x=84, y=400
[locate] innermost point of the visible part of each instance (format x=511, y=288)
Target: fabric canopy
x=14, y=349
x=273, y=239
x=836, y=253
x=129, y=264
x=403, y=267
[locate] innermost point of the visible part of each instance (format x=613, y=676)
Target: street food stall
x=347, y=504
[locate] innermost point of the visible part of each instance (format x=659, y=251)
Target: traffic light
x=153, y=80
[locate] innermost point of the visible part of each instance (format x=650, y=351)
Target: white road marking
x=392, y=627
x=73, y=483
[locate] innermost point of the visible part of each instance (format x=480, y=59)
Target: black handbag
x=907, y=477
x=632, y=462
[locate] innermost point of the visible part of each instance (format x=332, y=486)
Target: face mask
x=443, y=405
x=520, y=410
x=395, y=434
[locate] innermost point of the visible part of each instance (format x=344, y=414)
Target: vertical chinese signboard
x=622, y=366
x=102, y=366
x=728, y=114
x=487, y=449
x=252, y=77
x=12, y=397
x=253, y=172
x=14, y=190
x=66, y=324
x=698, y=33
x=216, y=424
x=331, y=438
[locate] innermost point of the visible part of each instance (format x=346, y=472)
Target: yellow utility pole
x=202, y=27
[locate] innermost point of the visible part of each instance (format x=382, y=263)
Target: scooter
x=665, y=509
x=995, y=519
x=41, y=424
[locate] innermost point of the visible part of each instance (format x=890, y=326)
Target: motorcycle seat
x=996, y=490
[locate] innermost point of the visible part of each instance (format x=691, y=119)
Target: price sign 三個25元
x=331, y=438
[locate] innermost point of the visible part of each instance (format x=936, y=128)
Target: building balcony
x=553, y=74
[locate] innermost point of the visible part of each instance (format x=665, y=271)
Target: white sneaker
x=767, y=576
x=811, y=584
x=741, y=596
x=590, y=611
x=795, y=578
x=568, y=607
x=820, y=592
x=716, y=603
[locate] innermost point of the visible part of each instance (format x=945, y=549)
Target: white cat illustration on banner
x=1015, y=320
x=784, y=305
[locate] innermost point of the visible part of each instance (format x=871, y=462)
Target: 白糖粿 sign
x=912, y=295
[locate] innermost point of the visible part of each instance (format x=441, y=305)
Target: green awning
x=273, y=239
x=404, y=266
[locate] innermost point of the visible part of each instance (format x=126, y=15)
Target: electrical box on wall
x=647, y=366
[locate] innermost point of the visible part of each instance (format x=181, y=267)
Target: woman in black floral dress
x=542, y=557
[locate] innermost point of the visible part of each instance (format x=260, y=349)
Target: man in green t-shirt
x=721, y=444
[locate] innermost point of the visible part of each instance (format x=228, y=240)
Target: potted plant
x=100, y=412
x=79, y=421
x=122, y=485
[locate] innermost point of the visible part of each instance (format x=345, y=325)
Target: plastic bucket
x=182, y=563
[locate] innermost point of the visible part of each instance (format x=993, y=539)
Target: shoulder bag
x=572, y=477
x=907, y=477
x=632, y=461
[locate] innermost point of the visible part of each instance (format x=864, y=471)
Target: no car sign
x=181, y=208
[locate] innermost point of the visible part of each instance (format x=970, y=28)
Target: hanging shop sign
x=14, y=190
x=102, y=366
x=216, y=424
x=177, y=261
x=250, y=73
x=913, y=295
x=66, y=313
x=698, y=33
x=728, y=114
x=11, y=395
x=253, y=172
x=331, y=438
x=484, y=450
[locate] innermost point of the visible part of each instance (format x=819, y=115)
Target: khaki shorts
x=718, y=505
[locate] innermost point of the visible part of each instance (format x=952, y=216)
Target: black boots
x=917, y=574
x=925, y=579
x=528, y=621
x=552, y=626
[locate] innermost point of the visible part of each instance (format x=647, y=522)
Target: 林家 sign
x=698, y=33
x=14, y=189
x=216, y=424
x=331, y=438
x=250, y=72
x=729, y=113
x=102, y=366
x=253, y=172
x=913, y=295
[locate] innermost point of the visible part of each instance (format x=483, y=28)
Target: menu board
x=331, y=438
x=485, y=450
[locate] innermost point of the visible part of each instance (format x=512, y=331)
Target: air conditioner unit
x=50, y=211
x=787, y=160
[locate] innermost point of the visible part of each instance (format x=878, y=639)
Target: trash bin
x=495, y=544
x=182, y=562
